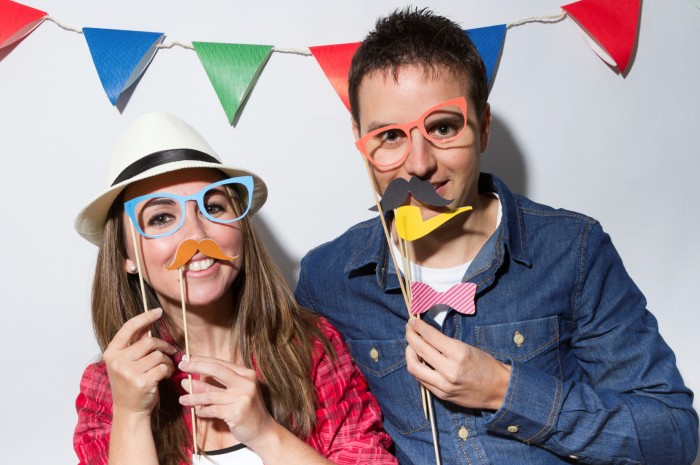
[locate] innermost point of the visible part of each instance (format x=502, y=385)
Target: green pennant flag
x=232, y=70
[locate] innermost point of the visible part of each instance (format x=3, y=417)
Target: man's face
x=453, y=171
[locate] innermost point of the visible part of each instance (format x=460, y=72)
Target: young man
x=561, y=361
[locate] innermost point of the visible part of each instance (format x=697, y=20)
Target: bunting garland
x=613, y=25
x=16, y=21
x=489, y=42
x=232, y=70
x=121, y=57
x=335, y=61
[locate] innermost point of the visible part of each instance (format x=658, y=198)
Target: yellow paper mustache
x=189, y=247
x=410, y=225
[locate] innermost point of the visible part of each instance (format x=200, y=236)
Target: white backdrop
x=568, y=131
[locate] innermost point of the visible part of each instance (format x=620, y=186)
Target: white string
x=63, y=26
x=176, y=43
x=305, y=51
x=189, y=46
x=538, y=19
x=294, y=51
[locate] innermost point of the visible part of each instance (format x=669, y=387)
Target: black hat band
x=161, y=158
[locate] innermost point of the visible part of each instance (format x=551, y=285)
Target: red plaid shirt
x=348, y=426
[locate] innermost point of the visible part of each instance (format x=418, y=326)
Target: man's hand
x=455, y=371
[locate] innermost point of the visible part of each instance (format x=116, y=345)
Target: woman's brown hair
x=269, y=331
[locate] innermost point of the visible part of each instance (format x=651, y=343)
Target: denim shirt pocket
x=383, y=362
x=533, y=342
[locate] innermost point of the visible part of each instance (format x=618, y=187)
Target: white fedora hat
x=155, y=143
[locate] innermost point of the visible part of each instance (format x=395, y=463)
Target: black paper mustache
x=398, y=190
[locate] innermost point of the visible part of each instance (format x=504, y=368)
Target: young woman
x=272, y=382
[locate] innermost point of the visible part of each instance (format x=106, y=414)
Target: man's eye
x=445, y=129
x=392, y=136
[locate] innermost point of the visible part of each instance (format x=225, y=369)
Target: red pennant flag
x=613, y=24
x=17, y=20
x=335, y=62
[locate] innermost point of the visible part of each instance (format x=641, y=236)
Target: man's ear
x=485, y=127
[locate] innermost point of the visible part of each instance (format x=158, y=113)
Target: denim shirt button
x=518, y=338
x=573, y=457
x=512, y=429
x=463, y=433
x=374, y=353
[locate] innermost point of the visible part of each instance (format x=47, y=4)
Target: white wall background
x=568, y=131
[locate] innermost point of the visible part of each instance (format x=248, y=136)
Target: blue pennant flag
x=120, y=56
x=489, y=42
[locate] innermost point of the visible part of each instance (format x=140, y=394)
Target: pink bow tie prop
x=460, y=297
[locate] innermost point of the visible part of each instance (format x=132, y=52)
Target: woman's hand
x=230, y=393
x=136, y=363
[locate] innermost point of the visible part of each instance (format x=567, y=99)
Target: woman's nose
x=194, y=224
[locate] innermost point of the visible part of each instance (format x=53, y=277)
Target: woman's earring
x=132, y=268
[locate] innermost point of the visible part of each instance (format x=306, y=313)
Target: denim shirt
x=592, y=380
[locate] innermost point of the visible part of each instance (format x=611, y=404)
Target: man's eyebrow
x=377, y=125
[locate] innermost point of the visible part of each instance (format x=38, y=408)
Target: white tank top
x=234, y=455
x=440, y=279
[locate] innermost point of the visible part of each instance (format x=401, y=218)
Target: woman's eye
x=215, y=209
x=160, y=220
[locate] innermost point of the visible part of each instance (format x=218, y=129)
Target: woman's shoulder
x=330, y=333
x=332, y=358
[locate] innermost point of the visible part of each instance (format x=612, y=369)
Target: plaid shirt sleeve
x=348, y=426
x=94, y=406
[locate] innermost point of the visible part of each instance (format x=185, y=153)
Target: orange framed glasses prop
x=388, y=147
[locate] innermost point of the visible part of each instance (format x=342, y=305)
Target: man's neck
x=460, y=239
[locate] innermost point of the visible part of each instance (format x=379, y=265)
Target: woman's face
x=207, y=280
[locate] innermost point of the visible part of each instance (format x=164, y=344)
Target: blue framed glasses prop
x=443, y=125
x=161, y=214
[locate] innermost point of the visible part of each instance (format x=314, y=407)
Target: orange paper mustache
x=189, y=247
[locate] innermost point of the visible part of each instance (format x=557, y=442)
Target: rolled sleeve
x=94, y=408
x=531, y=405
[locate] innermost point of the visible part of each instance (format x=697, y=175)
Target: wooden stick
x=137, y=252
x=387, y=236
x=408, y=272
x=433, y=428
x=187, y=353
x=425, y=394
x=405, y=254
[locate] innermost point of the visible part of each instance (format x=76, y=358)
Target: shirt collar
x=512, y=222
x=373, y=252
